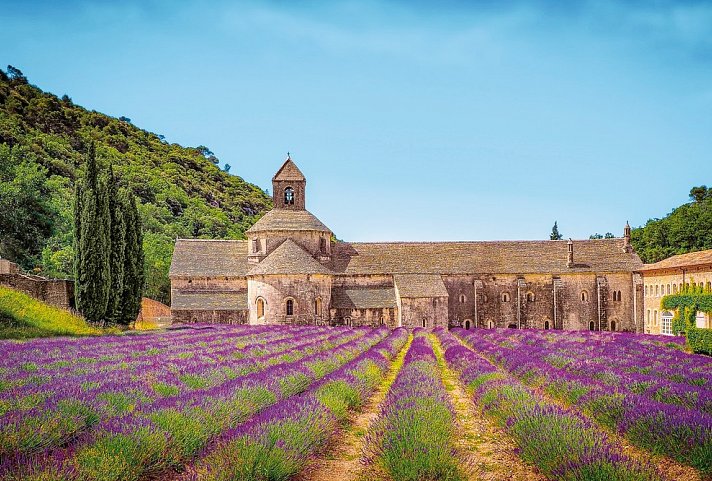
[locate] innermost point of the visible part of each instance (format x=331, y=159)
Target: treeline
x=686, y=229
x=181, y=191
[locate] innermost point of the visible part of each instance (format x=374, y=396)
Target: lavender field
x=226, y=403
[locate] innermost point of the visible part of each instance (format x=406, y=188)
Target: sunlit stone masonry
x=292, y=270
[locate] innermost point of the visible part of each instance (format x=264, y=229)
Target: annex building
x=670, y=276
x=291, y=270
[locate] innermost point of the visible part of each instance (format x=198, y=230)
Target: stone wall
x=57, y=292
x=528, y=301
x=374, y=317
x=214, y=317
x=424, y=312
x=303, y=290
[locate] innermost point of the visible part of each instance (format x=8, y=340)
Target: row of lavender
x=665, y=411
x=277, y=443
x=560, y=442
x=116, y=440
x=413, y=437
x=623, y=361
x=43, y=416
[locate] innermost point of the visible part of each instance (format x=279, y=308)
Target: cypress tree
x=118, y=246
x=130, y=303
x=93, y=243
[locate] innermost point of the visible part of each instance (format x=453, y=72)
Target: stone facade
x=57, y=292
x=670, y=276
x=290, y=270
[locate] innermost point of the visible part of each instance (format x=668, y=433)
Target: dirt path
x=667, y=467
x=340, y=460
x=487, y=451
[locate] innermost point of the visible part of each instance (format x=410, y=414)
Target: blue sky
x=412, y=120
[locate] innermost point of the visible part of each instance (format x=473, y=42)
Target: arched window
x=322, y=244
x=491, y=324
x=584, y=296
x=383, y=320
x=317, y=306
x=260, y=308
x=657, y=290
x=290, y=307
x=546, y=325
x=462, y=298
x=648, y=316
x=505, y=297
x=347, y=321
x=646, y=291
x=484, y=298
x=613, y=325
x=709, y=286
x=424, y=322
x=467, y=324
x=591, y=326
x=288, y=196
x=668, y=289
x=530, y=297
x=655, y=317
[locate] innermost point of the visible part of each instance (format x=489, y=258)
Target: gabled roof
x=420, y=285
x=210, y=301
x=288, y=220
x=209, y=258
x=289, y=258
x=289, y=171
x=690, y=259
x=503, y=257
x=363, y=297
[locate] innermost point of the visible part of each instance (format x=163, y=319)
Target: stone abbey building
x=291, y=270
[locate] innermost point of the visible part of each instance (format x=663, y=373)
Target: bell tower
x=289, y=187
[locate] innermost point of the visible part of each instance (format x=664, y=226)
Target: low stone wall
x=57, y=292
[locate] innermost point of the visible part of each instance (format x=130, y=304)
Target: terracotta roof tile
x=503, y=257
x=363, y=298
x=210, y=301
x=420, y=285
x=288, y=220
x=289, y=258
x=209, y=258
x=682, y=260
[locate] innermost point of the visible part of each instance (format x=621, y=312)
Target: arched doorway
x=546, y=325
x=424, y=321
x=613, y=325
x=467, y=324
x=591, y=326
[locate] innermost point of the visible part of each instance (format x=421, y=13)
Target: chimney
x=626, y=238
x=570, y=261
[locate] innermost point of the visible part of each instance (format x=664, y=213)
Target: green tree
x=555, y=235
x=92, y=243
x=117, y=206
x=699, y=194
x=130, y=302
x=595, y=236
x=26, y=211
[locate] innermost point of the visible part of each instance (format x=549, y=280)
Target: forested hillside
x=687, y=228
x=43, y=142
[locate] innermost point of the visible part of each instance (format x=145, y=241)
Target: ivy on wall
x=686, y=305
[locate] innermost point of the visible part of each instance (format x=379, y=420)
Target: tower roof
x=289, y=171
x=288, y=220
x=289, y=258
